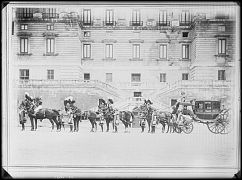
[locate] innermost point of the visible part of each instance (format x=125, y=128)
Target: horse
x=45, y=113
x=92, y=116
x=126, y=118
x=146, y=113
x=165, y=119
x=77, y=117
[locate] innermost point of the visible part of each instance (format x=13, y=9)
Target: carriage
x=211, y=114
x=205, y=112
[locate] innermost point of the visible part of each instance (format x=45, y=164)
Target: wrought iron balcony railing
x=163, y=23
x=136, y=23
x=89, y=23
x=185, y=23
x=50, y=15
x=109, y=23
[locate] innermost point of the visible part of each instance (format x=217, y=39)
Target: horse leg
x=102, y=127
x=149, y=126
x=35, y=120
x=52, y=124
x=107, y=123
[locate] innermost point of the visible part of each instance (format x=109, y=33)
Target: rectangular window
x=87, y=16
x=136, y=51
x=23, y=27
x=163, y=51
x=109, y=17
x=109, y=51
x=185, y=18
x=163, y=77
x=163, y=18
x=50, y=74
x=184, y=76
x=185, y=51
x=221, y=75
x=136, y=18
x=222, y=46
x=135, y=77
x=50, y=45
x=87, y=33
x=86, y=50
x=50, y=13
x=24, y=45
x=109, y=77
x=86, y=76
x=24, y=74
x=25, y=13
x=184, y=34
x=137, y=94
x=50, y=27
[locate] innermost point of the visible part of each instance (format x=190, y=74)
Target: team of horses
x=56, y=117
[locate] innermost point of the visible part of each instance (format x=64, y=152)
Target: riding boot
x=71, y=128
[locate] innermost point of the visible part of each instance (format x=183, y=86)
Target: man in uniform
x=110, y=113
x=149, y=111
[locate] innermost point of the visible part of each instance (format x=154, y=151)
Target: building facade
x=127, y=53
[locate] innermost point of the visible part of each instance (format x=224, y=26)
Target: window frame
x=25, y=26
x=223, y=76
x=162, y=50
x=162, y=77
x=186, y=56
x=87, y=17
x=132, y=77
x=185, y=17
x=109, y=17
x=109, y=51
x=50, y=74
x=221, y=46
x=89, y=76
x=50, y=25
x=137, y=94
x=87, y=52
x=136, y=51
x=52, y=45
x=185, y=75
x=25, y=75
x=109, y=79
x=26, y=47
x=162, y=18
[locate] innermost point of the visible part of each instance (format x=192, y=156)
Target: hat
x=101, y=101
x=110, y=100
x=148, y=101
x=26, y=93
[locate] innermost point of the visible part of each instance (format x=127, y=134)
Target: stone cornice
x=136, y=41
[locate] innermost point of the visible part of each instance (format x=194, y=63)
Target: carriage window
x=199, y=106
x=215, y=106
x=208, y=106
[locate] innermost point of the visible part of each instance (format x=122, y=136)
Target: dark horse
x=126, y=118
x=109, y=117
x=165, y=119
x=146, y=112
x=77, y=117
x=51, y=114
x=92, y=117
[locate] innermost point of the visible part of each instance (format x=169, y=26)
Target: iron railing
x=136, y=23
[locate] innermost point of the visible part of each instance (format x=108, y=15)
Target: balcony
x=163, y=23
x=185, y=23
x=24, y=16
x=109, y=23
x=89, y=23
x=50, y=15
x=136, y=23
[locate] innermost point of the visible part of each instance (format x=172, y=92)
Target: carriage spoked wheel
x=187, y=128
x=216, y=127
x=224, y=119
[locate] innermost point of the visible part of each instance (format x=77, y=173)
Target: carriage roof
x=185, y=104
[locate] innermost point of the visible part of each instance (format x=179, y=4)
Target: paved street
x=83, y=148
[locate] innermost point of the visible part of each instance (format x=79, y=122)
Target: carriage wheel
x=224, y=119
x=187, y=128
x=216, y=127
